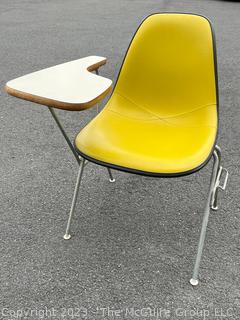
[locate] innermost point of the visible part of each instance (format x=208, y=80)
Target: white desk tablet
x=69, y=86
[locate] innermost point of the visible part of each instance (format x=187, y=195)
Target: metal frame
x=64, y=135
x=211, y=203
x=67, y=235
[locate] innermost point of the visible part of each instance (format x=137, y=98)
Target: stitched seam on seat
x=192, y=111
x=133, y=118
x=157, y=120
x=141, y=107
x=157, y=116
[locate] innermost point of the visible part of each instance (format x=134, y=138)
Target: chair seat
x=68, y=86
x=132, y=138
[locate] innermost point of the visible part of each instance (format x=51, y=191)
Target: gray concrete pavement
x=134, y=241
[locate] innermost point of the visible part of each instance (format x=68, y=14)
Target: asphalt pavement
x=134, y=241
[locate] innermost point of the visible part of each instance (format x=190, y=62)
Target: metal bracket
x=218, y=185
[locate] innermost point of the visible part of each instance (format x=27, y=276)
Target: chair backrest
x=170, y=65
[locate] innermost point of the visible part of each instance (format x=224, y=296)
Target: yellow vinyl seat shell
x=162, y=116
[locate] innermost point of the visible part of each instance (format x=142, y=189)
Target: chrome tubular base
x=64, y=134
x=77, y=157
x=111, y=179
x=218, y=185
x=211, y=203
x=67, y=235
x=83, y=163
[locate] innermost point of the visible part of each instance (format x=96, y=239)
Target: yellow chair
x=162, y=117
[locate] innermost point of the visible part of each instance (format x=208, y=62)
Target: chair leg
x=64, y=134
x=214, y=205
x=216, y=165
x=111, y=179
x=67, y=235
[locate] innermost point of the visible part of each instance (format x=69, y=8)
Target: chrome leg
x=64, y=134
x=111, y=179
x=214, y=205
x=222, y=175
x=194, y=280
x=67, y=235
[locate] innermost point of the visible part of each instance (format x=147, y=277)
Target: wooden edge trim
x=97, y=65
x=58, y=104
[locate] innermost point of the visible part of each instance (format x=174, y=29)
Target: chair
x=162, y=117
